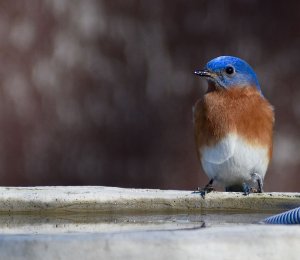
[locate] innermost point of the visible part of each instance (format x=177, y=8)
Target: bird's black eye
x=229, y=70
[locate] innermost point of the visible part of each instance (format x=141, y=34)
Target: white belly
x=233, y=160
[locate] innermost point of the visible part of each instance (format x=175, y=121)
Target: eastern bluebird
x=233, y=127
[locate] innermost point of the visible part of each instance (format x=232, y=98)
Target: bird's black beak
x=203, y=73
x=211, y=77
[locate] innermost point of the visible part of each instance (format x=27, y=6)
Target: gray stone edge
x=72, y=199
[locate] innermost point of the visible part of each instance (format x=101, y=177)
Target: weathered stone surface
x=115, y=223
x=239, y=242
x=110, y=199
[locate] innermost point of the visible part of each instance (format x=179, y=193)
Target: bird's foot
x=246, y=189
x=204, y=191
x=207, y=189
x=255, y=179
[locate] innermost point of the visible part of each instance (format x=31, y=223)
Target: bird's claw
x=207, y=189
x=203, y=191
x=247, y=188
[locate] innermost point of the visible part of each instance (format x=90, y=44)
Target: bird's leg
x=260, y=185
x=246, y=189
x=256, y=178
x=207, y=189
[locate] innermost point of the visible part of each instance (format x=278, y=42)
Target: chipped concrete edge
x=72, y=199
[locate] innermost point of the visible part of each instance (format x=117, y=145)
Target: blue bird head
x=228, y=71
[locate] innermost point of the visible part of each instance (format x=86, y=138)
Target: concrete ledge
x=240, y=242
x=109, y=199
x=67, y=223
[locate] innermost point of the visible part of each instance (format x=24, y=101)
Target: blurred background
x=101, y=92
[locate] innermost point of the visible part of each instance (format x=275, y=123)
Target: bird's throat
x=212, y=86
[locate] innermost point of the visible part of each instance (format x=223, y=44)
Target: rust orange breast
x=242, y=111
